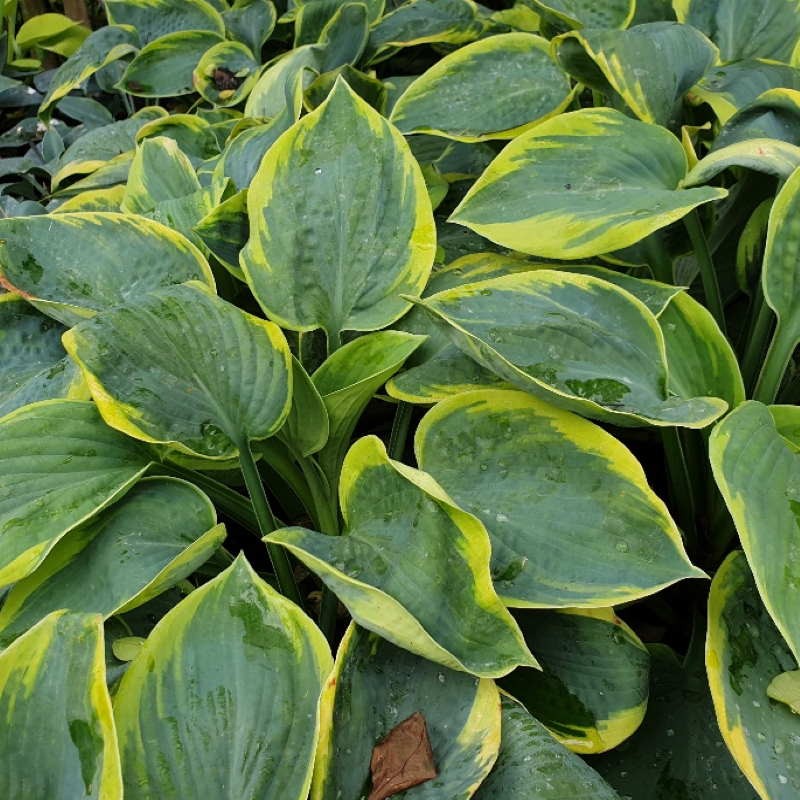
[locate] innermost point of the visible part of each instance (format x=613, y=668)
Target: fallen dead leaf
x=402, y=759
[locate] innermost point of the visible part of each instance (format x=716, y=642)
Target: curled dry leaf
x=402, y=759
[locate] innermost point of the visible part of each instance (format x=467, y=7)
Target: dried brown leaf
x=402, y=759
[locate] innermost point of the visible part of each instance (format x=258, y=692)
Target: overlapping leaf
x=575, y=340
x=403, y=534
x=158, y=534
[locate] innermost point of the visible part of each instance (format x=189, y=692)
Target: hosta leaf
x=575, y=340
x=770, y=156
x=224, y=231
x=269, y=96
x=678, y=750
x=194, y=135
x=348, y=380
x=403, y=534
x=222, y=699
x=729, y=88
x=422, y=21
x=307, y=428
x=742, y=29
x=313, y=258
x=99, y=146
x=54, y=32
x=492, y=89
x=650, y=66
x=184, y=367
x=158, y=534
x=33, y=364
x=532, y=764
x=57, y=740
x=700, y=359
x=344, y=37
x=108, y=199
x=780, y=276
x=592, y=692
x=758, y=473
x=587, y=13
x=155, y=18
x=164, y=67
x=603, y=182
x=59, y=466
x=438, y=369
x=774, y=115
x=744, y=652
x=375, y=686
x=250, y=22
x=516, y=463
x=160, y=172
x=226, y=73
x=73, y=265
x=242, y=155
x=104, y=46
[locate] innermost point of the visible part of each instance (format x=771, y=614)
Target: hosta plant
x=398, y=398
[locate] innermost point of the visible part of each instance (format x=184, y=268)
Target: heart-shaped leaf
x=164, y=67
x=403, y=534
x=650, y=66
x=592, y=692
x=186, y=368
x=312, y=259
x=232, y=675
x=516, y=463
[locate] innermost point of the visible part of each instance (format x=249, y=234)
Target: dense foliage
x=381, y=384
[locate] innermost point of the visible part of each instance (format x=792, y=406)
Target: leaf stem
x=779, y=355
x=327, y=520
x=400, y=427
x=705, y=262
x=266, y=524
x=758, y=339
x=680, y=483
